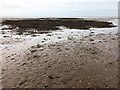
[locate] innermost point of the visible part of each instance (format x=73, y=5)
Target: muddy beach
x=63, y=58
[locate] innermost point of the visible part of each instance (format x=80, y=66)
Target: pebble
x=91, y=39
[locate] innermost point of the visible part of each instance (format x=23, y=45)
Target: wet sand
x=61, y=59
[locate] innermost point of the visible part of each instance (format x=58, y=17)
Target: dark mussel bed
x=42, y=25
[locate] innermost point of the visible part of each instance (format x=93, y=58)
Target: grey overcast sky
x=58, y=8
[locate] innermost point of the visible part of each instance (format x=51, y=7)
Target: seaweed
x=47, y=24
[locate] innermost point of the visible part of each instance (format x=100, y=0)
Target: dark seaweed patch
x=53, y=24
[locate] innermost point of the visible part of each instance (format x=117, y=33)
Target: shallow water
x=54, y=36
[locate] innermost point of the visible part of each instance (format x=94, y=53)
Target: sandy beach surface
x=68, y=58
